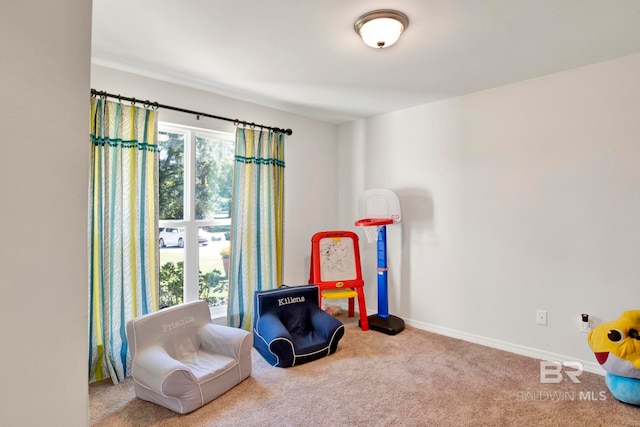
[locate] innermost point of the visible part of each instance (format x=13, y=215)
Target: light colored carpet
x=415, y=378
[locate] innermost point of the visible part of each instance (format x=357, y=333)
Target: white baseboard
x=588, y=365
x=535, y=353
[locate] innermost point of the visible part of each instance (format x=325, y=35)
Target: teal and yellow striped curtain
x=123, y=224
x=258, y=221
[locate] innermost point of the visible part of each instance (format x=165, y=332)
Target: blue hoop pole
x=383, y=300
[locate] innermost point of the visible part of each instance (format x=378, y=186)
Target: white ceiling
x=303, y=56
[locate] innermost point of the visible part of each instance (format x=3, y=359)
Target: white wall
x=517, y=198
x=310, y=153
x=44, y=117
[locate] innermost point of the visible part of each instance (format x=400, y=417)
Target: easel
x=335, y=269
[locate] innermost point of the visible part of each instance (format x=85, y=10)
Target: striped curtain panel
x=123, y=225
x=258, y=221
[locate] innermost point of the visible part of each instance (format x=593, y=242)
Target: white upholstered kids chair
x=182, y=361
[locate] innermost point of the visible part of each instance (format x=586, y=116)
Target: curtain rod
x=155, y=106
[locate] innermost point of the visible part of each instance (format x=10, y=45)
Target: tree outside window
x=195, y=179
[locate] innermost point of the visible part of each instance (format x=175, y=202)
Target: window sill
x=219, y=315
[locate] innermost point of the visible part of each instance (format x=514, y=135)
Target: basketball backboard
x=379, y=203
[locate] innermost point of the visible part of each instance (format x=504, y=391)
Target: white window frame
x=189, y=223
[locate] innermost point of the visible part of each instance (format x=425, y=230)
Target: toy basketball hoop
x=378, y=208
x=372, y=226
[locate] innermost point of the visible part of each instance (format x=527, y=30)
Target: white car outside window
x=171, y=237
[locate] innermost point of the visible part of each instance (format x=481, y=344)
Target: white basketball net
x=372, y=232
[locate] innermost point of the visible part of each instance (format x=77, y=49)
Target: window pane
x=171, y=266
x=207, y=158
x=214, y=175
x=213, y=267
x=171, y=175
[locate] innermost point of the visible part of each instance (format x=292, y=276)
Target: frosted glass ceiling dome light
x=381, y=28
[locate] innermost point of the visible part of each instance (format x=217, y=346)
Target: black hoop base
x=391, y=325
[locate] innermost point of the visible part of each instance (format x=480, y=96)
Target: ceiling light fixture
x=381, y=28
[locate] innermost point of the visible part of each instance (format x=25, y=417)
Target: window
x=195, y=178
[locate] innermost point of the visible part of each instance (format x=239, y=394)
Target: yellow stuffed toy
x=616, y=346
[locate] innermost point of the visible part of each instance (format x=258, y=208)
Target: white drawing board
x=337, y=259
x=379, y=203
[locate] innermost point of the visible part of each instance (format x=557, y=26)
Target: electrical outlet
x=541, y=317
x=585, y=325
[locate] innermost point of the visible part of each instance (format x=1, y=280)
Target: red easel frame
x=356, y=284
